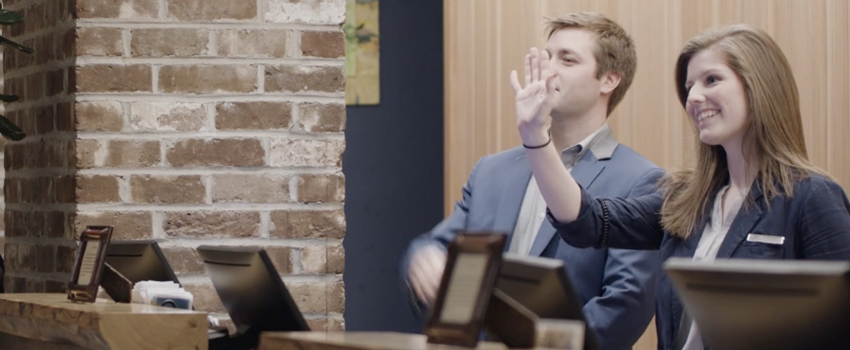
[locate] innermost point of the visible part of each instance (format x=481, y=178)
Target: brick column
x=199, y=122
x=2, y=171
x=39, y=183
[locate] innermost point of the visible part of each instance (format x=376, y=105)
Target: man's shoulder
x=625, y=156
x=504, y=157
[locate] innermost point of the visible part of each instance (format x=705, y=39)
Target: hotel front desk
x=51, y=321
x=357, y=341
x=41, y=321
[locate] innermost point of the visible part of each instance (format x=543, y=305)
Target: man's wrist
x=537, y=138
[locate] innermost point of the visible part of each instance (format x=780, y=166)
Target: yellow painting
x=362, y=53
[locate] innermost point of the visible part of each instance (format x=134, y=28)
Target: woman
x=752, y=194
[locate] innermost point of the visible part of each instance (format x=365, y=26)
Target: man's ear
x=610, y=81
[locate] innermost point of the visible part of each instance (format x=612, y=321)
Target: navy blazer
x=815, y=224
x=616, y=286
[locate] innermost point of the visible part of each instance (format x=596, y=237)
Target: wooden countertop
x=101, y=325
x=356, y=341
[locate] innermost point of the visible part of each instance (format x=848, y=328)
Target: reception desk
x=50, y=321
x=355, y=341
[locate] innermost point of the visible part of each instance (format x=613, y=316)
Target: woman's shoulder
x=816, y=182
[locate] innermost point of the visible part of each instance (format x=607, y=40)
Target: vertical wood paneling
x=838, y=91
x=486, y=39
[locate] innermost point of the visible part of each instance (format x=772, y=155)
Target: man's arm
x=421, y=267
x=622, y=312
x=620, y=315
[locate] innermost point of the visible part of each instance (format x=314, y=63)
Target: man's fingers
x=423, y=285
x=435, y=264
x=527, y=70
x=416, y=283
x=436, y=261
x=515, y=82
x=426, y=271
x=544, y=64
x=544, y=55
x=535, y=65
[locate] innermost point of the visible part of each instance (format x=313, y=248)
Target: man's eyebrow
x=562, y=52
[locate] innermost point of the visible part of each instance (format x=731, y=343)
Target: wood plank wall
x=486, y=39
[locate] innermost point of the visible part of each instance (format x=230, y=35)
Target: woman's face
x=717, y=102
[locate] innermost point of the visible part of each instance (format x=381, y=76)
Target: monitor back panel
x=749, y=308
x=139, y=261
x=251, y=289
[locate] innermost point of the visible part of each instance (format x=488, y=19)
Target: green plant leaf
x=10, y=130
x=9, y=98
x=8, y=42
x=9, y=17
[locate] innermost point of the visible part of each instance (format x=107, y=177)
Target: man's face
x=577, y=88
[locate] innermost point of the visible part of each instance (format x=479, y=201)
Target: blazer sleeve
x=632, y=223
x=626, y=304
x=824, y=221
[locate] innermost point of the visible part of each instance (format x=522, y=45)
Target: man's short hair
x=615, y=50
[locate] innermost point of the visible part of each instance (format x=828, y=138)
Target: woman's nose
x=695, y=95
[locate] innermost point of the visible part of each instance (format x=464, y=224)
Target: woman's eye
x=711, y=79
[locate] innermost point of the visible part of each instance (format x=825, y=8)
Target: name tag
x=767, y=239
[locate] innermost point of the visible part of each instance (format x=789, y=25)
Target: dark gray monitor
x=139, y=261
x=766, y=304
x=543, y=287
x=252, y=291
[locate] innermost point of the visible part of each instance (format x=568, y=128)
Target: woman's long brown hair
x=774, y=145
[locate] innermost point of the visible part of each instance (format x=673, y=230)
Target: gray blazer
x=617, y=287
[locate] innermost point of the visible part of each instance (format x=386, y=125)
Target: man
x=593, y=60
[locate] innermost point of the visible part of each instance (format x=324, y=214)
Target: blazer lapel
x=517, y=176
x=584, y=172
x=746, y=219
x=587, y=170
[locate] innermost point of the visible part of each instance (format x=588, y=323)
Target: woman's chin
x=708, y=139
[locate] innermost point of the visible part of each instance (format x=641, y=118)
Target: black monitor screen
x=139, y=261
x=542, y=286
x=251, y=289
x=766, y=304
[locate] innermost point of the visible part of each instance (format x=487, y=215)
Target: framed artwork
x=362, y=53
x=89, y=264
x=472, y=265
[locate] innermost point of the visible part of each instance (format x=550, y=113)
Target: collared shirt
x=709, y=244
x=533, y=209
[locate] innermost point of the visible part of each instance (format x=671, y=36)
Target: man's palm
x=534, y=102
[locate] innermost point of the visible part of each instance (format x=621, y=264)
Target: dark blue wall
x=393, y=165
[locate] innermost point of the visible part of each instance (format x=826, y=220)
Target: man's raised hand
x=535, y=101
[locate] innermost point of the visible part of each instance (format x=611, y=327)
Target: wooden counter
x=50, y=321
x=356, y=341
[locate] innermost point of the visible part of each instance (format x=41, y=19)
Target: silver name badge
x=767, y=239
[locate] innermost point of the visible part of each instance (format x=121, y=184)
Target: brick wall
x=2, y=171
x=39, y=179
x=194, y=122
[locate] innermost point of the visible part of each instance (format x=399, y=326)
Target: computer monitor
x=252, y=291
x=765, y=304
x=139, y=261
x=543, y=287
